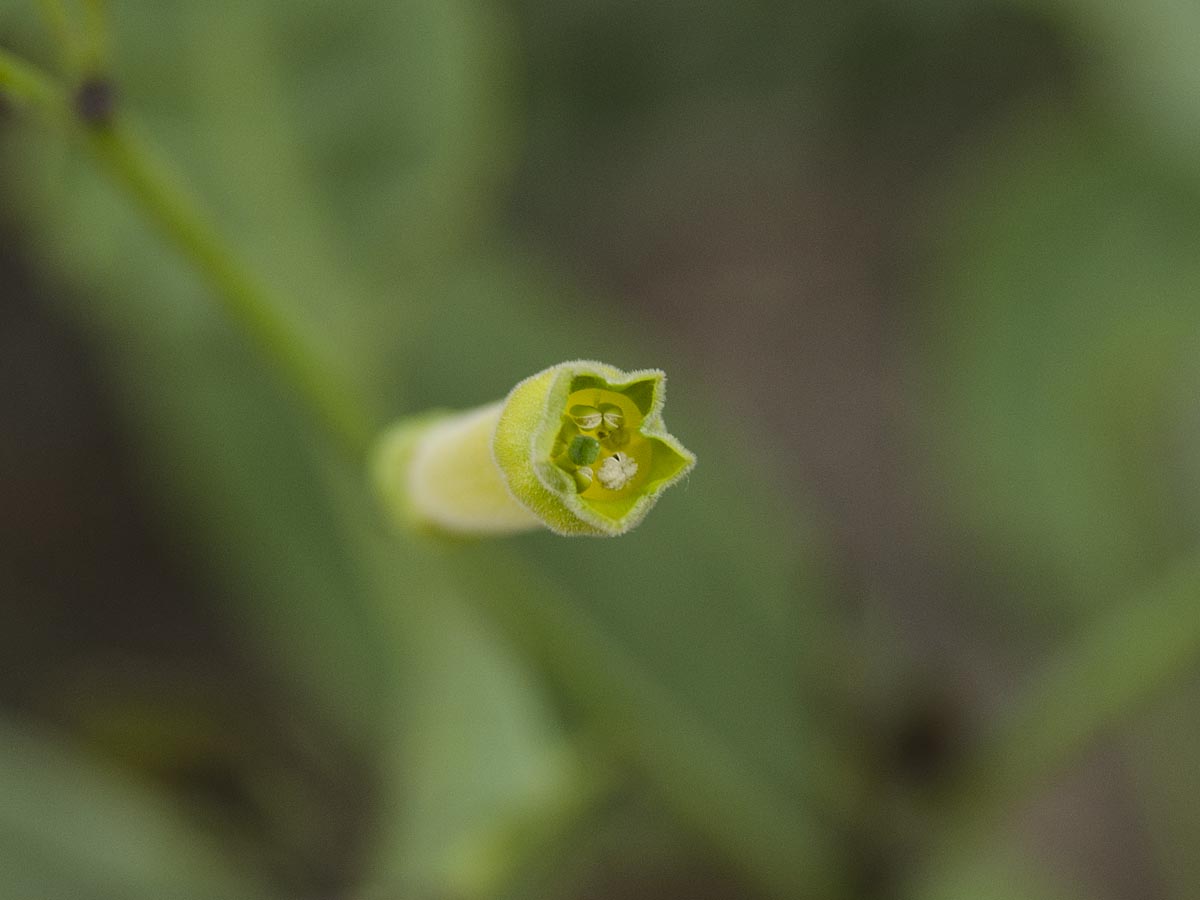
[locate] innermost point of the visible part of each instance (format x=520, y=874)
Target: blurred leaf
x=238, y=477
x=413, y=132
x=1065, y=316
x=70, y=827
x=394, y=115
x=1143, y=59
x=481, y=769
x=705, y=777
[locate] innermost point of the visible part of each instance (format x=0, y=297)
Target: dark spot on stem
x=96, y=100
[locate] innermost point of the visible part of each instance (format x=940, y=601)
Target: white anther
x=586, y=417
x=616, y=471
x=613, y=417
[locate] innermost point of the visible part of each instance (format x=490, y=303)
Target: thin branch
x=96, y=34
x=25, y=84
x=54, y=12
x=297, y=354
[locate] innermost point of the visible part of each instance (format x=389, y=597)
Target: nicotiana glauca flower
x=579, y=448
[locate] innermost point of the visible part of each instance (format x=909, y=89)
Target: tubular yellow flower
x=579, y=448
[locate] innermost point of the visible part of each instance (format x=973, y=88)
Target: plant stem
x=95, y=29
x=59, y=23
x=25, y=84
x=245, y=299
x=149, y=182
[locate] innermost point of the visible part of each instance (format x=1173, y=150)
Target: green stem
x=1123, y=660
x=59, y=23
x=95, y=30
x=247, y=302
x=27, y=85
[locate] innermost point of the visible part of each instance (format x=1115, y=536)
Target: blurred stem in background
x=150, y=182
x=248, y=302
x=95, y=27
x=59, y=23
x=84, y=51
x=1119, y=662
x=26, y=85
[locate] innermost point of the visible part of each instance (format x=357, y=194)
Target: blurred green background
x=925, y=277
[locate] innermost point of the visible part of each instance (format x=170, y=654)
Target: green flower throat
x=600, y=446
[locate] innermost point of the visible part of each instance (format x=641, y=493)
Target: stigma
x=616, y=471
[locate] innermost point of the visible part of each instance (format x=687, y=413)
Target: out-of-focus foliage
x=1068, y=335
x=573, y=719
x=71, y=827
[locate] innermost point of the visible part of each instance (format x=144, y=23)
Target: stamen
x=586, y=417
x=612, y=415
